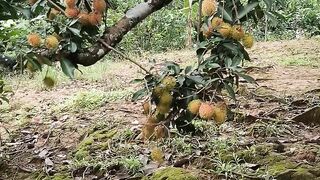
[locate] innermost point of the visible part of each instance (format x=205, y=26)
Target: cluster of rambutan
x=93, y=18
x=155, y=126
x=51, y=41
x=227, y=30
x=236, y=32
x=209, y=111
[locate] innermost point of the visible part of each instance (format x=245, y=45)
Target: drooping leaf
x=246, y=9
x=247, y=78
x=230, y=91
x=139, y=94
x=67, y=67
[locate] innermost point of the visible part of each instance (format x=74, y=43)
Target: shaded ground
x=89, y=128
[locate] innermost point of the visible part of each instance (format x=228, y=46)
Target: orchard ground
x=89, y=128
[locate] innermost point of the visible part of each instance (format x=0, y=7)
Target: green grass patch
x=309, y=61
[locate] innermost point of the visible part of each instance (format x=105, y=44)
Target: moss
x=281, y=166
x=272, y=158
x=302, y=174
x=172, y=173
x=91, y=143
x=82, y=154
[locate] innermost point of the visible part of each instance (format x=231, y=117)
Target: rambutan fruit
x=71, y=12
x=169, y=82
x=166, y=98
x=225, y=30
x=158, y=90
x=161, y=131
x=146, y=107
x=51, y=42
x=220, y=112
x=83, y=18
x=209, y=7
x=53, y=13
x=237, y=32
x=70, y=3
x=206, y=111
x=157, y=155
x=49, y=82
x=34, y=39
x=248, y=40
x=216, y=22
x=163, y=108
x=194, y=106
x=99, y=5
x=95, y=18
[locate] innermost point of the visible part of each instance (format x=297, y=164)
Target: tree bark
x=114, y=34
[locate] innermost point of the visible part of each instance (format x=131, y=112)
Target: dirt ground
x=89, y=128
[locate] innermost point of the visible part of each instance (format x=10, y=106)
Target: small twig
x=199, y=21
x=236, y=10
x=124, y=56
x=47, y=139
x=56, y=6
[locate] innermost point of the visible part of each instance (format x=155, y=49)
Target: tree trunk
x=113, y=35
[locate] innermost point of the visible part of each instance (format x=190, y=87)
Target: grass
x=304, y=60
x=87, y=100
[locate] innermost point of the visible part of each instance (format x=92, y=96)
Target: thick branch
x=113, y=35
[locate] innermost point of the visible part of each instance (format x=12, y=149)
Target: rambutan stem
x=124, y=56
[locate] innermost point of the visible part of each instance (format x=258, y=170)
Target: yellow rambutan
x=237, y=32
x=51, y=42
x=49, y=82
x=216, y=22
x=169, y=82
x=194, y=106
x=225, y=30
x=209, y=7
x=166, y=98
x=248, y=40
x=220, y=112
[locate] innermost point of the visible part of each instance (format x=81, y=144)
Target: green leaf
x=226, y=15
x=181, y=80
x=246, y=9
x=75, y=31
x=188, y=69
x=67, y=67
x=196, y=79
x=139, y=94
x=72, y=47
x=34, y=62
x=230, y=91
x=268, y=4
x=247, y=78
x=137, y=81
x=4, y=99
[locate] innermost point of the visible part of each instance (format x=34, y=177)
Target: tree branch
x=113, y=35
